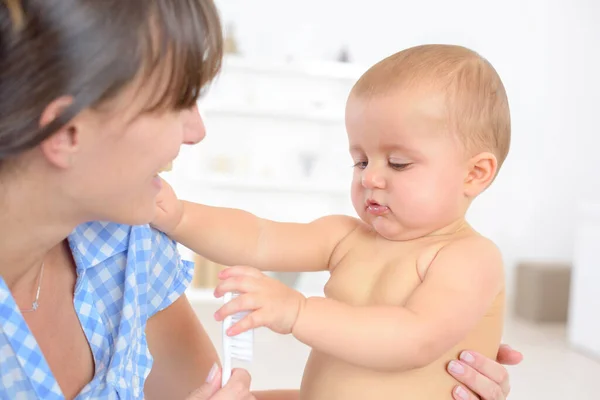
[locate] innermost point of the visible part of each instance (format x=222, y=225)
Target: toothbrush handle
x=226, y=370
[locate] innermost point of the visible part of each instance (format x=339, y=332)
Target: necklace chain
x=35, y=305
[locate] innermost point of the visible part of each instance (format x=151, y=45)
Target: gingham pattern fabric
x=124, y=276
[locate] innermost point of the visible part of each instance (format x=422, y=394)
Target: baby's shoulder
x=459, y=249
x=474, y=246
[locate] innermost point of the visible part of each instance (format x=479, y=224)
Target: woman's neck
x=31, y=225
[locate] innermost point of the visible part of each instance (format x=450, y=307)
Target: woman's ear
x=60, y=146
x=481, y=172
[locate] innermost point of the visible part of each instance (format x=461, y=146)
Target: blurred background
x=276, y=146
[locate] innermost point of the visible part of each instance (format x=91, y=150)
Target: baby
x=411, y=282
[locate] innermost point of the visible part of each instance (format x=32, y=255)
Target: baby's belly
x=326, y=378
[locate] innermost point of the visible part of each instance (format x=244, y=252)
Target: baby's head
x=428, y=128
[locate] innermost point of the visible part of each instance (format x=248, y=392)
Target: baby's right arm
x=233, y=237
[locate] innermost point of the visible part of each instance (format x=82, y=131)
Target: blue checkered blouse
x=124, y=275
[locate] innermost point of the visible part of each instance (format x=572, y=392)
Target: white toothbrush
x=237, y=347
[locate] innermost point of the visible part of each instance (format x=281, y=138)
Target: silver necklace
x=35, y=305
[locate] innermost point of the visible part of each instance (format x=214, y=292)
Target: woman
x=95, y=98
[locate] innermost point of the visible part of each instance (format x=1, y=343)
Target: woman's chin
x=138, y=215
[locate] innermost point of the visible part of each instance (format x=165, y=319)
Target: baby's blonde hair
x=476, y=99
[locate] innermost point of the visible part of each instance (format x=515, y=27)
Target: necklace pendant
x=35, y=305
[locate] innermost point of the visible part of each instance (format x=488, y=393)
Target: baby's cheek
x=356, y=191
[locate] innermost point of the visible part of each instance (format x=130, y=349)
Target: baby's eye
x=360, y=165
x=398, y=167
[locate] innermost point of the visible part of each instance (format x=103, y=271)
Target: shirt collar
x=94, y=242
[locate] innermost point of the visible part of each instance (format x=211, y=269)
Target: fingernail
x=212, y=373
x=462, y=393
x=456, y=368
x=467, y=357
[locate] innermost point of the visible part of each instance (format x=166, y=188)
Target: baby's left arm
x=459, y=287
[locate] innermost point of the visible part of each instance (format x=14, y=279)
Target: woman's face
x=113, y=173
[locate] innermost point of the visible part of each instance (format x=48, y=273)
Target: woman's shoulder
x=94, y=242
x=141, y=259
x=126, y=275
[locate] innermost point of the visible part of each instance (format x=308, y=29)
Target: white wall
x=545, y=51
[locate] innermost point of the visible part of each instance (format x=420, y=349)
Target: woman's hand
x=237, y=388
x=483, y=378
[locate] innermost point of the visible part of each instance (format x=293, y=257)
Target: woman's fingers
x=482, y=375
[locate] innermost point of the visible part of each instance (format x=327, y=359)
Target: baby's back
x=373, y=272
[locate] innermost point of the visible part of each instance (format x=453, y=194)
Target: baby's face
x=409, y=170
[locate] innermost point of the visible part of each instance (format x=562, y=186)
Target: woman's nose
x=193, y=126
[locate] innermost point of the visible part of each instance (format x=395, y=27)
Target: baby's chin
x=390, y=229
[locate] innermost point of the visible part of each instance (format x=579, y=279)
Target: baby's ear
x=481, y=172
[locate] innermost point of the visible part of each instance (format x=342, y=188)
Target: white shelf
x=210, y=111
x=315, y=69
x=268, y=185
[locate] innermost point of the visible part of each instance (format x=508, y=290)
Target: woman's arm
x=277, y=395
x=183, y=357
x=182, y=351
x=186, y=364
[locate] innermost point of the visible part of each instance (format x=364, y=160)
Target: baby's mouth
x=376, y=209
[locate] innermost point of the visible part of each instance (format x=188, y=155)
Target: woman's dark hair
x=91, y=49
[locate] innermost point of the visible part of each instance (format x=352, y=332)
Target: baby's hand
x=270, y=302
x=169, y=210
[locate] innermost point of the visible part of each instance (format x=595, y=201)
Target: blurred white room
x=276, y=146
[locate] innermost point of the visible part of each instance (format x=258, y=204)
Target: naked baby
x=412, y=283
